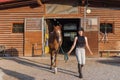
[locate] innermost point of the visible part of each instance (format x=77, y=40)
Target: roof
x=94, y=3
x=103, y=3
x=5, y=4
x=3, y=1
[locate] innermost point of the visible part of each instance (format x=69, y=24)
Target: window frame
x=113, y=26
x=13, y=28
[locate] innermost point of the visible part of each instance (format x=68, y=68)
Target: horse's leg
x=55, y=60
x=51, y=57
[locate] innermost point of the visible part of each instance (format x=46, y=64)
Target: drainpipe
x=43, y=32
x=86, y=10
x=84, y=18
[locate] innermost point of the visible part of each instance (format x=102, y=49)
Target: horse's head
x=58, y=32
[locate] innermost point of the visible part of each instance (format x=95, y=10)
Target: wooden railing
x=108, y=52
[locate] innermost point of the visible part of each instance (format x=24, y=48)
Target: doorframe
x=81, y=22
x=44, y=24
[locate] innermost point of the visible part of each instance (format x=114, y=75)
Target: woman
x=80, y=42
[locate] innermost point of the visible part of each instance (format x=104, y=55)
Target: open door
x=33, y=37
x=69, y=33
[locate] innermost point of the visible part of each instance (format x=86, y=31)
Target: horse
x=55, y=41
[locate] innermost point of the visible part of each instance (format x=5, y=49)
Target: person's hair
x=81, y=29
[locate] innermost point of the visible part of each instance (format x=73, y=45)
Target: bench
x=108, y=52
x=2, y=50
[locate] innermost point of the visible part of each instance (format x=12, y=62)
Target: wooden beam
x=39, y=2
x=18, y=3
x=83, y=2
x=104, y=3
x=4, y=1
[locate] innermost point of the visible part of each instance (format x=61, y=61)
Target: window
x=18, y=28
x=70, y=26
x=106, y=27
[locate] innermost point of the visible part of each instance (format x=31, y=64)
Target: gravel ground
x=37, y=68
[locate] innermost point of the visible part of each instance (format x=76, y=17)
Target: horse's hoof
x=55, y=70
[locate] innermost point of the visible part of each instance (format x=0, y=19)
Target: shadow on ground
x=114, y=61
x=17, y=75
x=39, y=65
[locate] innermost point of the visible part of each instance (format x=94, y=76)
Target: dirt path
x=37, y=68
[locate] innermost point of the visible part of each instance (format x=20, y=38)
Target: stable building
x=25, y=25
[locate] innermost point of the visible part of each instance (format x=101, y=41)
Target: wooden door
x=33, y=37
x=91, y=27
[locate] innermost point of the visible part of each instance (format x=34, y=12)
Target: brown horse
x=55, y=41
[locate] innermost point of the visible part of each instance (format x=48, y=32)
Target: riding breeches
x=80, y=55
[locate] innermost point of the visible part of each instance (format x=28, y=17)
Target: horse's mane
x=54, y=37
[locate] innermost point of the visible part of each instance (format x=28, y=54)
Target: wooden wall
x=93, y=42
x=108, y=15
x=14, y=42
x=33, y=37
x=105, y=15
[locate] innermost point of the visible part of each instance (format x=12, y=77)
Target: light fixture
x=88, y=10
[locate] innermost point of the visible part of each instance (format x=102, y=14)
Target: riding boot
x=82, y=65
x=80, y=71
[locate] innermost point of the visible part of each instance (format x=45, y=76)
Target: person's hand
x=68, y=53
x=66, y=57
x=91, y=52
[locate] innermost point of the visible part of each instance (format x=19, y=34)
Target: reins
x=65, y=54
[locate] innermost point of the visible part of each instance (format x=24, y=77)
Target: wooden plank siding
x=33, y=37
x=108, y=15
x=14, y=42
x=93, y=42
x=9, y=39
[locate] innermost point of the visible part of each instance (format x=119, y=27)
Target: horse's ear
x=54, y=26
x=60, y=26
